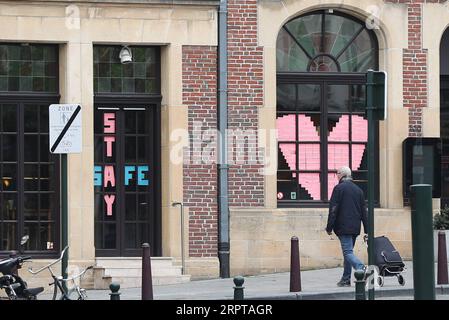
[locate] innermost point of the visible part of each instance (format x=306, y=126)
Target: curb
x=439, y=290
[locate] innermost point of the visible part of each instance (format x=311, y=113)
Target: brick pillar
x=415, y=66
x=199, y=90
x=245, y=82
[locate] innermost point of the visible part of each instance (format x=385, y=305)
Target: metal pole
x=64, y=217
x=295, y=272
x=147, y=281
x=183, y=261
x=371, y=134
x=223, y=167
x=422, y=242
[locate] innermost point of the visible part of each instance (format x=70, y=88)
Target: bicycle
x=58, y=281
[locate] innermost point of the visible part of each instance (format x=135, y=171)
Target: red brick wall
x=245, y=81
x=415, y=66
x=199, y=91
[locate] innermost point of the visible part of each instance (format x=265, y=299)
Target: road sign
x=65, y=128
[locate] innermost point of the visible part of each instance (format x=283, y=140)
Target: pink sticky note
x=109, y=141
x=109, y=176
x=109, y=122
x=109, y=199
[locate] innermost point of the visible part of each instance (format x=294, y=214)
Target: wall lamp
x=126, y=55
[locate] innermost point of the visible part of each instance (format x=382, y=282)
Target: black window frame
x=23, y=99
x=326, y=79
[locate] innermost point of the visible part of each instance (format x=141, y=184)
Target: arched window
x=322, y=59
x=326, y=42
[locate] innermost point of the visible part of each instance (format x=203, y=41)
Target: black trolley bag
x=388, y=260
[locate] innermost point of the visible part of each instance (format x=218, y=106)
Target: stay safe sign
x=65, y=128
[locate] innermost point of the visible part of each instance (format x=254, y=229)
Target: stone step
x=135, y=272
x=101, y=281
x=136, y=282
x=128, y=272
x=156, y=262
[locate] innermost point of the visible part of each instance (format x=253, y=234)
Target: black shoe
x=343, y=283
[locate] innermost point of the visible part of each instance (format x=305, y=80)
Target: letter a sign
x=65, y=128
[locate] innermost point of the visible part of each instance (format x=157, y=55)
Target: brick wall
x=245, y=81
x=199, y=90
x=415, y=66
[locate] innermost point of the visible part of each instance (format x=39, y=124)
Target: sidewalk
x=316, y=285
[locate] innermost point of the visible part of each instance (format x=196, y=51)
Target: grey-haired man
x=347, y=209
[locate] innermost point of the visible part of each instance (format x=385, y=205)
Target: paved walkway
x=316, y=284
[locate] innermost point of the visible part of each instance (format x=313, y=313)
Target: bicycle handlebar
x=49, y=265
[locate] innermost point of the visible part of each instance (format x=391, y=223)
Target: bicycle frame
x=58, y=281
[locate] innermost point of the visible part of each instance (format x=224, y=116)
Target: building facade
x=296, y=93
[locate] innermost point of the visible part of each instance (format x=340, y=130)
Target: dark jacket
x=346, y=209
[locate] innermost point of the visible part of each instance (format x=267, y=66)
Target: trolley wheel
x=380, y=281
x=401, y=280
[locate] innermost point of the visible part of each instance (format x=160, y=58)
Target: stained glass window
x=28, y=68
x=141, y=76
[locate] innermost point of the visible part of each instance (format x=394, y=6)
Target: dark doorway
x=127, y=151
x=126, y=179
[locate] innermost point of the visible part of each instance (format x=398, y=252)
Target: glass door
x=124, y=179
x=29, y=191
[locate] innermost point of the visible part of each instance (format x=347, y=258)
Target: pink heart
x=309, y=154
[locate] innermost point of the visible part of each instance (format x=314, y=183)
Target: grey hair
x=345, y=172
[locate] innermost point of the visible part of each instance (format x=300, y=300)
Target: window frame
x=321, y=53
x=323, y=79
x=21, y=100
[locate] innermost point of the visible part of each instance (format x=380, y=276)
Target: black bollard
x=295, y=272
x=114, y=287
x=147, y=281
x=360, y=283
x=442, y=259
x=238, y=289
x=422, y=242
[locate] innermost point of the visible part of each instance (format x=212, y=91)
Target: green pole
x=422, y=242
x=370, y=113
x=64, y=216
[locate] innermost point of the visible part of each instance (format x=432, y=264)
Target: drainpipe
x=223, y=167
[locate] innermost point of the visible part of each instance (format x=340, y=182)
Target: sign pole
x=65, y=136
x=64, y=216
x=370, y=110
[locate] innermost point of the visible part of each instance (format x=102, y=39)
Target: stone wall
x=260, y=239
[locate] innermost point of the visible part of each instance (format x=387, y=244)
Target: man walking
x=346, y=210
